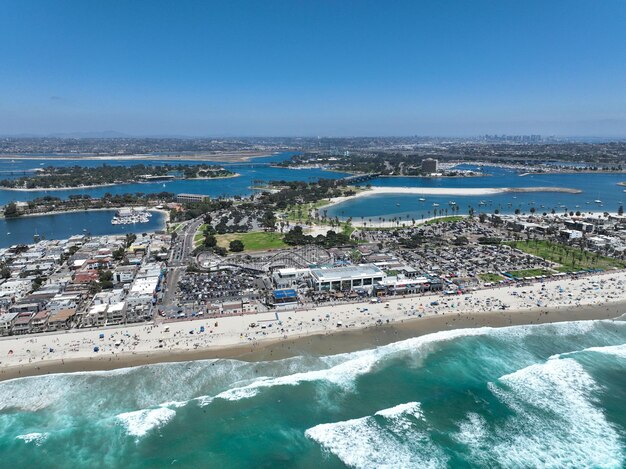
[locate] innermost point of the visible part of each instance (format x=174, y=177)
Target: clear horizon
x=333, y=69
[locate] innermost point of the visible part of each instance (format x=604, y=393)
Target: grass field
x=490, y=277
x=303, y=210
x=529, y=273
x=570, y=258
x=199, y=236
x=449, y=219
x=253, y=241
x=174, y=227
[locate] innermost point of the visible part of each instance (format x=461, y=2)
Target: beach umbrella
x=96, y=349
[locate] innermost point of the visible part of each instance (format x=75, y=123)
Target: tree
x=10, y=210
x=210, y=241
x=220, y=251
x=236, y=245
x=118, y=254
x=105, y=276
x=269, y=220
x=130, y=239
x=620, y=210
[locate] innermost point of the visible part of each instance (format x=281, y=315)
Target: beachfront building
x=61, y=320
x=21, y=324
x=289, y=277
x=400, y=284
x=95, y=316
x=6, y=323
x=284, y=298
x=362, y=277
x=116, y=313
x=39, y=323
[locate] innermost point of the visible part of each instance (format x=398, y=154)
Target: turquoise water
x=524, y=396
x=64, y=225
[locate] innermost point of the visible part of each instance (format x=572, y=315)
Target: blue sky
x=317, y=67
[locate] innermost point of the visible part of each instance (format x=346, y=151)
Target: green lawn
x=490, y=277
x=199, y=236
x=175, y=227
x=253, y=241
x=347, y=229
x=570, y=258
x=449, y=219
x=529, y=273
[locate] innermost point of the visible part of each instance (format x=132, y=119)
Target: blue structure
x=285, y=296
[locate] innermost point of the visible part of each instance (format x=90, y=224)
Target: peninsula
x=79, y=177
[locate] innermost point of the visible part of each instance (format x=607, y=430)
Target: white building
x=346, y=278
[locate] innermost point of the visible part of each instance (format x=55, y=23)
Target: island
x=79, y=177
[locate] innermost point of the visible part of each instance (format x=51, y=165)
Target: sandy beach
x=331, y=328
x=46, y=189
x=460, y=191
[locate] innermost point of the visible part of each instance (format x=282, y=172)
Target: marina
x=131, y=216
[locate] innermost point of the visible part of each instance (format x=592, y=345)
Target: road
x=179, y=258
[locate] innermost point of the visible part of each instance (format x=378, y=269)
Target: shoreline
x=453, y=191
x=166, y=214
x=543, y=173
x=321, y=344
x=46, y=189
x=328, y=329
x=92, y=186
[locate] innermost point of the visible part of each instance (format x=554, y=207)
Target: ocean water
x=523, y=396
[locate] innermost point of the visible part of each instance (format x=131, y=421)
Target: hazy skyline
x=322, y=67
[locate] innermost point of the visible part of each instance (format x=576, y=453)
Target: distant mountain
x=104, y=134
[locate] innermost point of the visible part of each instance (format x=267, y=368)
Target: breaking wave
x=391, y=438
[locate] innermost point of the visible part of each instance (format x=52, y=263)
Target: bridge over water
x=359, y=178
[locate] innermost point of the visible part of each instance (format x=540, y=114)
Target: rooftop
x=338, y=273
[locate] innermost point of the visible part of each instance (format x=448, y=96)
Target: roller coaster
x=300, y=257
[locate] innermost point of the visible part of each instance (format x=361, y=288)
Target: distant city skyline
x=327, y=68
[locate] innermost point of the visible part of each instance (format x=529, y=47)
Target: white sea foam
x=556, y=422
x=35, y=438
x=615, y=350
x=412, y=408
x=343, y=369
x=391, y=438
x=347, y=367
x=140, y=422
x=174, y=404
